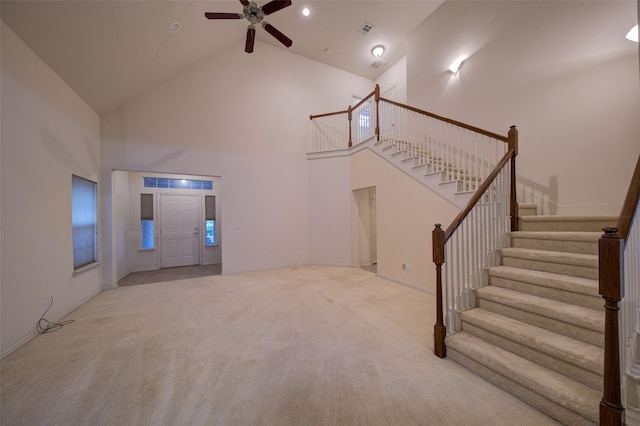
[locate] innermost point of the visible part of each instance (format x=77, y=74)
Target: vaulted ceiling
x=109, y=51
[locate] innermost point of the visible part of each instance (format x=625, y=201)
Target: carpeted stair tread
x=584, y=355
x=558, y=389
x=571, y=314
x=588, y=236
x=566, y=223
x=549, y=256
x=547, y=279
x=571, y=242
x=558, y=262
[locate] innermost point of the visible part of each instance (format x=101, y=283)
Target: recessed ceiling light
x=633, y=34
x=175, y=27
x=306, y=11
x=377, y=51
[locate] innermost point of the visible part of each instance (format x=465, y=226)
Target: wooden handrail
x=311, y=117
x=346, y=111
x=630, y=204
x=478, y=194
x=448, y=120
x=364, y=99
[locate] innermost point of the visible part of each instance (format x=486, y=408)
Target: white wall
x=48, y=133
x=330, y=211
x=406, y=214
x=395, y=78
x=561, y=71
x=244, y=118
x=121, y=214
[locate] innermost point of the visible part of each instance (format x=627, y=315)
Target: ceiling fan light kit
x=255, y=14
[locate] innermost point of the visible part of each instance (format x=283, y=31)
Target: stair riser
x=527, y=209
x=556, y=245
x=589, y=376
x=547, y=406
x=557, y=268
x=570, y=330
x=587, y=301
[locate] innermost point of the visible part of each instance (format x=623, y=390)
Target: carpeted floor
x=298, y=346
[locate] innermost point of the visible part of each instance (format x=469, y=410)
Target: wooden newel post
x=349, y=114
x=377, y=96
x=439, y=329
x=512, y=141
x=611, y=288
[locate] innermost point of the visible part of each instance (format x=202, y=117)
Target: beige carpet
x=298, y=346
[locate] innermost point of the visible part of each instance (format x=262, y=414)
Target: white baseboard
x=408, y=284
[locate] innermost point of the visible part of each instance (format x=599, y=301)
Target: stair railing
x=619, y=273
x=471, y=242
x=459, y=151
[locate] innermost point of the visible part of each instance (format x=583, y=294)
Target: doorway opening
x=165, y=225
x=366, y=202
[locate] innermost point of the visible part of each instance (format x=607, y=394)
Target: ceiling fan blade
x=244, y=2
x=274, y=6
x=251, y=38
x=215, y=15
x=277, y=34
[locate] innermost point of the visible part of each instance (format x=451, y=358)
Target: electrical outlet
x=406, y=266
x=45, y=299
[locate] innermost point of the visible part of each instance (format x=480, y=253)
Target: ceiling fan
x=255, y=14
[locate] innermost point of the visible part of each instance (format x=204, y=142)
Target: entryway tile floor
x=371, y=268
x=170, y=274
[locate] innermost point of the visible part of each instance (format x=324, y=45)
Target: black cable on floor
x=45, y=326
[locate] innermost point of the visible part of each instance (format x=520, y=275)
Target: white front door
x=179, y=234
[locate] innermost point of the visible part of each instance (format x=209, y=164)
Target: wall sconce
x=633, y=34
x=455, y=65
x=377, y=51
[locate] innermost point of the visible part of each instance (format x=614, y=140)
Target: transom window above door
x=152, y=182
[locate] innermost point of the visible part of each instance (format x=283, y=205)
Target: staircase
x=430, y=172
x=537, y=329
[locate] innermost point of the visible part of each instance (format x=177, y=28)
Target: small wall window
x=147, y=226
x=210, y=220
x=84, y=220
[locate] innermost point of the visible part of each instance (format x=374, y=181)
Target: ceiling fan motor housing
x=253, y=13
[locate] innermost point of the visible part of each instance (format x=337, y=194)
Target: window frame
x=84, y=258
x=210, y=216
x=147, y=207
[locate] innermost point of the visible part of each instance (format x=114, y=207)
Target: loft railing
x=619, y=275
x=471, y=242
x=338, y=130
x=330, y=131
x=457, y=150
